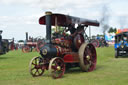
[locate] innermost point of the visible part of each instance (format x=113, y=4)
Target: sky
x=20, y=16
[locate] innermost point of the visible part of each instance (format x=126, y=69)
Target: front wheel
x=56, y=67
x=36, y=66
x=26, y=49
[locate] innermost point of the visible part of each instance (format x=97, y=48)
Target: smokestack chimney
x=26, y=36
x=48, y=26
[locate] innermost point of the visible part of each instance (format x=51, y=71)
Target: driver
x=125, y=40
x=71, y=28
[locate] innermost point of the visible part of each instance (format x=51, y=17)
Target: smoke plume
x=104, y=19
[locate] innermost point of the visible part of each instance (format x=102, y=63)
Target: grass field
x=109, y=71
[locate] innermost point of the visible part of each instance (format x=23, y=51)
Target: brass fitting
x=48, y=13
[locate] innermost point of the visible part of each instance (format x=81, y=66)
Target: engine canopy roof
x=66, y=20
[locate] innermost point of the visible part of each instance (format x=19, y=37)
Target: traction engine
x=65, y=51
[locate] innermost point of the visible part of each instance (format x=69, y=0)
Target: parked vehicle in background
x=4, y=44
x=32, y=44
x=99, y=42
x=121, y=44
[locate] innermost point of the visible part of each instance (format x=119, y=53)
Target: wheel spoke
x=33, y=63
x=62, y=69
x=56, y=63
x=92, y=64
x=32, y=69
x=61, y=65
x=54, y=68
x=89, y=52
x=36, y=71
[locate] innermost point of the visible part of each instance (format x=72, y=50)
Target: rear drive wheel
x=88, y=57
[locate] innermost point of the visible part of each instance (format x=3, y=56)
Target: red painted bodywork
x=64, y=47
x=71, y=58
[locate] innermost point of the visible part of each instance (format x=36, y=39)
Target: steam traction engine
x=6, y=44
x=32, y=44
x=64, y=51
